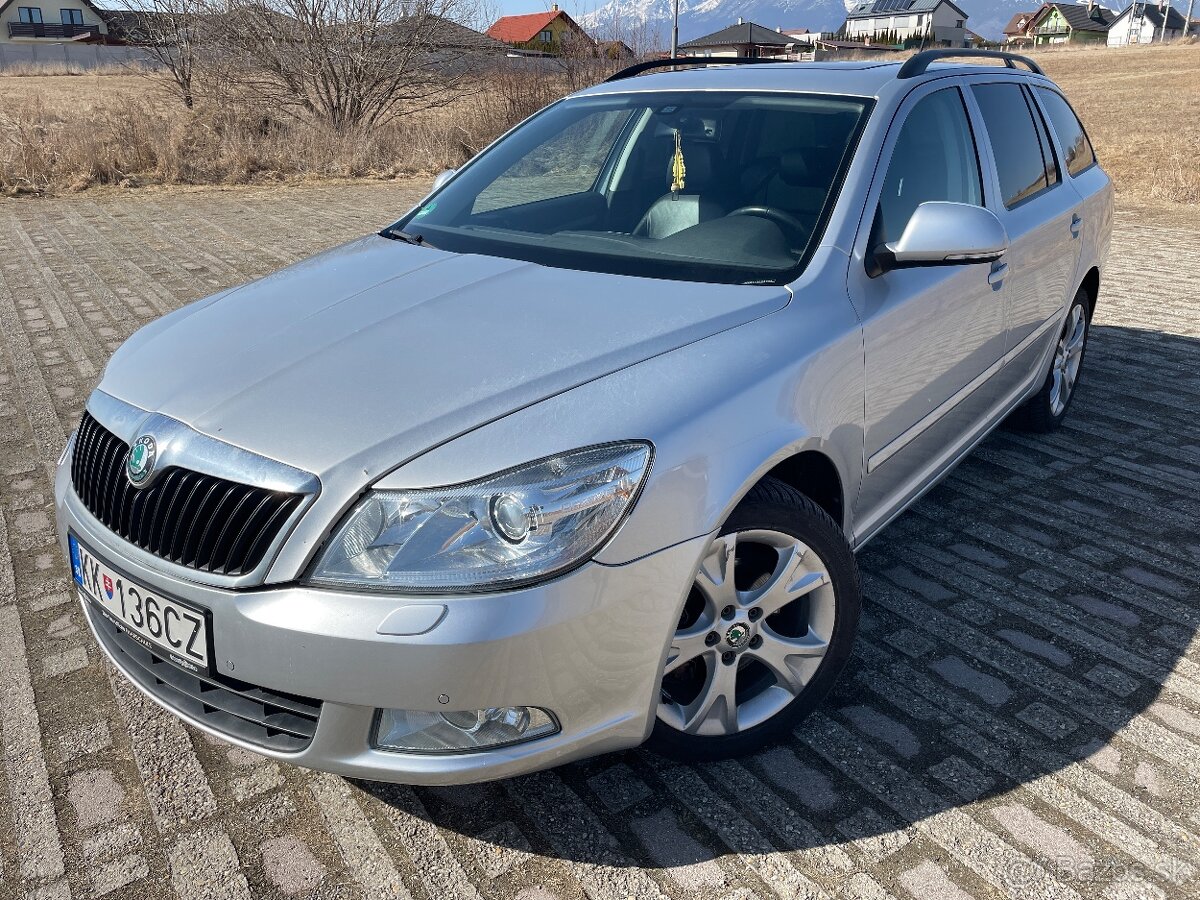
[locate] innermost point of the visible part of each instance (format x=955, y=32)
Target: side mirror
x=945, y=234
x=442, y=177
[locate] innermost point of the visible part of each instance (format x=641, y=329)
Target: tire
x=1045, y=411
x=815, y=567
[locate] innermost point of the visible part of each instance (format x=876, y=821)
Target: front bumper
x=588, y=647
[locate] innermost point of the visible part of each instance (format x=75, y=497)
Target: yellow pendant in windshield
x=678, y=169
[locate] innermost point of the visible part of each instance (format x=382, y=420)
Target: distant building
x=1072, y=23
x=1019, y=29
x=67, y=20
x=932, y=22
x=1142, y=23
x=615, y=50
x=741, y=39
x=545, y=32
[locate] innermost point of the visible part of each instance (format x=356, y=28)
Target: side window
x=1074, y=140
x=1049, y=156
x=1016, y=146
x=568, y=163
x=934, y=159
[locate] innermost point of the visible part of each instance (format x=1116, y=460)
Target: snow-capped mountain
x=700, y=17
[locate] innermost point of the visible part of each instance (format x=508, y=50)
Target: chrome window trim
x=181, y=445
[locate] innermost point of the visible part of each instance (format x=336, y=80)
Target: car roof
x=855, y=79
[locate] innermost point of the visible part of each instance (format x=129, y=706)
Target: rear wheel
x=1046, y=410
x=766, y=629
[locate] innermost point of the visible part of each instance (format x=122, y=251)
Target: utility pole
x=675, y=32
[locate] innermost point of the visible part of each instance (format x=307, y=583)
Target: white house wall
x=1119, y=34
x=51, y=15
x=945, y=25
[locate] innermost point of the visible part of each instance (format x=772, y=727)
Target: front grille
x=276, y=721
x=196, y=520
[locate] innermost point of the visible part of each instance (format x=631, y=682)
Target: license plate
x=163, y=626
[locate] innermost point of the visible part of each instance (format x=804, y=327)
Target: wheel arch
x=1091, y=285
x=815, y=475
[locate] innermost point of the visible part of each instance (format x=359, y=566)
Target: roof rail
x=916, y=65
x=639, y=68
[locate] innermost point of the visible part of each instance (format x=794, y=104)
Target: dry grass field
x=1139, y=106
x=71, y=132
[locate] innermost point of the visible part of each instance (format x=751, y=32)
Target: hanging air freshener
x=678, y=169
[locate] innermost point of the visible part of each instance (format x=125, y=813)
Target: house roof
x=1013, y=28
x=1079, y=18
x=1154, y=15
x=519, y=29
x=745, y=33
x=870, y=9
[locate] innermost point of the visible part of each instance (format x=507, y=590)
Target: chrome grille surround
x=211, y=513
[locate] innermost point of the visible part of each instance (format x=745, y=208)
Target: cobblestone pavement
x=1022, y=718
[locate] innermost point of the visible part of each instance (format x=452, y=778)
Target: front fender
x=720, y=414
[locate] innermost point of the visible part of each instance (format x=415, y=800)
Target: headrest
x=699, y=159
x=793, y=168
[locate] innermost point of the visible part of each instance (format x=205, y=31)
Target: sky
x=518, y=7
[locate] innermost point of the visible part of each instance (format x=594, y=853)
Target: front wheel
x=1045, y=411
x=765, y=631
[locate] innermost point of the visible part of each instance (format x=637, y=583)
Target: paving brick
x=994, y=735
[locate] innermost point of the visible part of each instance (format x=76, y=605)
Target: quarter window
x=1016, y=146
x=30, y=15
x=71, y=16
x=1073, y=139
x=568, y=163
x=934, y=159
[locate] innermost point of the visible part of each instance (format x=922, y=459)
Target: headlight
x=521, y=525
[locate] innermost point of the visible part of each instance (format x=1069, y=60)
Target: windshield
x=697, y=186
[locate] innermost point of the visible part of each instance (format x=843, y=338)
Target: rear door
x=1082, y=172
x=1041, y=214
x=931, y=334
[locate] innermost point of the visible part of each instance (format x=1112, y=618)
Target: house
x=1072, y=23
x=68, y=20
x=615, y=50
x=912, y=22
x=1142, y=23
x=742, y=39
x=1019, y=29
x=552, y=31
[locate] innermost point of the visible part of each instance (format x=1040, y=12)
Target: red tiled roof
x=519, y=29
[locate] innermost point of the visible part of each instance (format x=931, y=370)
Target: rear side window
x=934, y=159
x=1022, y=164
x=1077, y=149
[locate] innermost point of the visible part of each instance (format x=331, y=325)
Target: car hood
x=376, y=351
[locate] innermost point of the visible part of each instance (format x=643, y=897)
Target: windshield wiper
x=396, y=234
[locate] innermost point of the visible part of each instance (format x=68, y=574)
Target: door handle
x=999, y=271
x=1076, y=225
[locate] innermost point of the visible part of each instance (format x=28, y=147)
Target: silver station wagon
x=578, y=453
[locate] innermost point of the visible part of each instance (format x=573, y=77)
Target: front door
x=931, y=334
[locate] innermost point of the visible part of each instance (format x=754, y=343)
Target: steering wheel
x=785, y=220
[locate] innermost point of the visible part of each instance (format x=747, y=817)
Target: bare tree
x=354, y=63
x=171, y=32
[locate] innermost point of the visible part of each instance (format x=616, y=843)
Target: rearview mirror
x=442, y=177
x=945, y=234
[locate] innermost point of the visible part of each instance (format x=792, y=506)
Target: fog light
x=448, y=732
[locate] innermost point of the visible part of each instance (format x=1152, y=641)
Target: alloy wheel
x=1068, y=357
x=754, y=630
